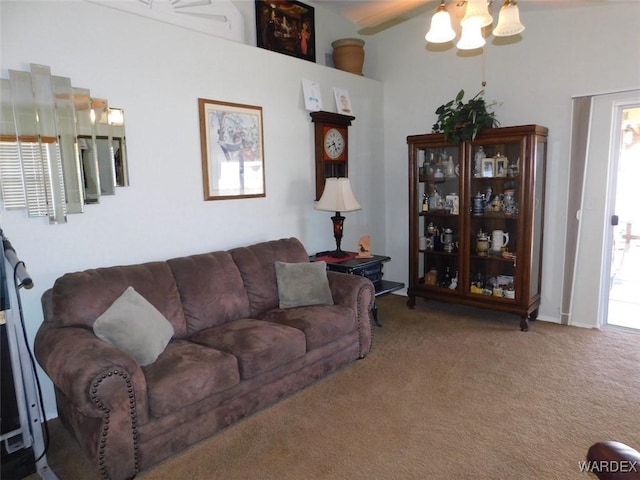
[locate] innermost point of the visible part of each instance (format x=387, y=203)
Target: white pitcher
x=499, y=239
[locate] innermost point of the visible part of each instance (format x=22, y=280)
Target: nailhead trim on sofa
x=105, y=420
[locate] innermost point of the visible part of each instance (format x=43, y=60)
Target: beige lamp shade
x=338, y=196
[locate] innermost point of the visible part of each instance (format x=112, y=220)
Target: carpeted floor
x=448, y=392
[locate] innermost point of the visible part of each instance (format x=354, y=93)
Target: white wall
x=564, y=52
x=157, y=72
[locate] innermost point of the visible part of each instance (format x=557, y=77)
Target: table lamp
x=338, y=197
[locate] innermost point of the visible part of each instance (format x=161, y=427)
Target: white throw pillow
x=134, y=326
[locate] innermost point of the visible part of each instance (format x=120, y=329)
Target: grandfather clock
x=332, y=146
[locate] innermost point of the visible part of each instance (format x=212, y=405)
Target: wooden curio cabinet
x=476, y=214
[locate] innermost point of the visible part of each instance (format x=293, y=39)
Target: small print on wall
x=343, y=102
x=286, y=27
x=232, y=150
x=312, y=95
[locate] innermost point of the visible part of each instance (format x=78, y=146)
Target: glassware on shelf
x=509, y=202
x=435, y=200
x=450, y=168
x=431, y=278
x=431, y=233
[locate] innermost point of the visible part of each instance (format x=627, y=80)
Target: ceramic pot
x=348, y=55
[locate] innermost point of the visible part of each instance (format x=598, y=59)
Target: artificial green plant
x=461, y=121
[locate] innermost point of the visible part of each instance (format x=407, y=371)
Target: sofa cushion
x=134, y=326
x=186, y=373
x=259, y=346
x=211, y=290
x=321, y=324
x=257, y=267
x=303, y=283
x=81, y=297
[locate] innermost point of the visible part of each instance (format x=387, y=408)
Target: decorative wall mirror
x=59, y=148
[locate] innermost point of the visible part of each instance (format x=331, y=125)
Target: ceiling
x=373, y=16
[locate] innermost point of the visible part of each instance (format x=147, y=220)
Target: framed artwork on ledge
x=343, y=102
x=488, y=167
x=286, y=27
x=232, y=150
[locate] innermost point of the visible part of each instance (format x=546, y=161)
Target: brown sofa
x=233, y=350
x=611, y=460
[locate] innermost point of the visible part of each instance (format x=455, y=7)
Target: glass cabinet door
x=495, y=236
x=439, y=210
x=536, y=213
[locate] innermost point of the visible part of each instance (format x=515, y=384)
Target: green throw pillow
x=134, y=326
x=304, y=283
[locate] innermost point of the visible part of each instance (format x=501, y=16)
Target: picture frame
x=501, y=166
x=231, y=141
x=286, y=27
x=487, y=167
x=343, y=101
x=312, y=95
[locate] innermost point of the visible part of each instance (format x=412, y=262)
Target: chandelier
x=476, y=17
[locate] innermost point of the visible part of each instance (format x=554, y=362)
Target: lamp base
x=338, y=224
x=338, y=254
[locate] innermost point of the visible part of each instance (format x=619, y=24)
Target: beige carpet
x=447, y=392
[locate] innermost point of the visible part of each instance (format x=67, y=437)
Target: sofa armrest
x=357, y=293
x=107, y=389
x=78, y=362
x=614, y=461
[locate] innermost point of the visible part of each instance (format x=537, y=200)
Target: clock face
x=334, y=143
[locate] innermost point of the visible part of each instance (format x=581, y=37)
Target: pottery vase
x=348, y=55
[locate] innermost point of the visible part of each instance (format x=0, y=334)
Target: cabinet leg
x=411, y=301
x=524, y=321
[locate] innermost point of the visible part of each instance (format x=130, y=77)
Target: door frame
x=592, y=270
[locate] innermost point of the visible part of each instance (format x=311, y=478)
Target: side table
x=365, y=267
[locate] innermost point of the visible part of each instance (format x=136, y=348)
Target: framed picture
x=501, y=166
x=312, y=95
x=286, y=27
x=343, y=102
x=487, y=167
x=232, y=150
